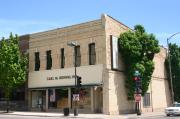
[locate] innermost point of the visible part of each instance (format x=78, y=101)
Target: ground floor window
x=37, y=99
x=84, y=98
x=146, y=100
x=58, y=98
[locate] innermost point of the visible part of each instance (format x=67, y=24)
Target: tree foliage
x=12, y=65
x=175, y=67
x=138, y=48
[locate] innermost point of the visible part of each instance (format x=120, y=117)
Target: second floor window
x=37, y=61
x=78, y=55
x=62, y=58
x=48, y=60
x=92, y=54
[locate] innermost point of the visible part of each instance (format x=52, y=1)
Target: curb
x=70, y=116
x=61, y=115
x=144, y=115
x=38, y=115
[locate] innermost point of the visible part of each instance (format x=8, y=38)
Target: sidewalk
x=84, y=116
x=61, y=115
x=148, y=114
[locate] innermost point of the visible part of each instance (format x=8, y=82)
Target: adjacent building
x=51, y=70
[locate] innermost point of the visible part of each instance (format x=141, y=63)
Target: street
x=155, y=117
x=4, y=116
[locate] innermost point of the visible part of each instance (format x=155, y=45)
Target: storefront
x=100, y=64
x=53, y=90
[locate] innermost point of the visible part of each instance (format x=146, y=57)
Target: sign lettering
x=60, y=77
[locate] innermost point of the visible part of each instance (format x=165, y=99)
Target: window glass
x=78, y=55
x=84, y=98
x=62, y=58
x=37, y=61
x=49, y=60
x=92, y=54
x=146, y=100
x=58, y=98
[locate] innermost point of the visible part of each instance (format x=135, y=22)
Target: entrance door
x=38, y=100
x=57, y=99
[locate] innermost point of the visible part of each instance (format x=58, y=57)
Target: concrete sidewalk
x=84, y=116
x=61, y=115
x=148, y=114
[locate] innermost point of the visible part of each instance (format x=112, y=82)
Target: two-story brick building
x=51, y=70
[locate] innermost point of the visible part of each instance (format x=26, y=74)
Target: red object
x=137, y=97
x=135, y=78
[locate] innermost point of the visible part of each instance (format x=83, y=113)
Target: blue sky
x=160, y=17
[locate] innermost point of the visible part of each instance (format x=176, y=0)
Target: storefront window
x=58, y=98
x=37, y=99
x=84, y=98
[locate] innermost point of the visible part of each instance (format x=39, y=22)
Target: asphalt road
x=155, y=117
x=62, y=117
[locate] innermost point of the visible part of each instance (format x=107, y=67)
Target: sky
x=160, y=17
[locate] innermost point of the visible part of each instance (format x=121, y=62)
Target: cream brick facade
x=114, y=97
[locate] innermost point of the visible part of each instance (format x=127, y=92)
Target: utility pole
x=170, y=69
x=74, y=44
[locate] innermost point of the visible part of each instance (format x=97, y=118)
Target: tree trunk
x=7, y=105
x=7, y=95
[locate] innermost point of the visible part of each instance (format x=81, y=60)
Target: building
x=51, y=70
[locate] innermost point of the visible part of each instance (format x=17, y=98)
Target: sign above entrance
x=91, y=75
x=60, y=77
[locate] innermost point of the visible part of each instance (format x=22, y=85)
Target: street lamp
x=74, y=44
x=170, y=71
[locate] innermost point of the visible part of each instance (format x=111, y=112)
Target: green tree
x=175, y=67
x=12, y=66
x=138, y=48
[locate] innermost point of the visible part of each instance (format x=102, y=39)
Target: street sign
x=137, y=97
x=75, y=97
